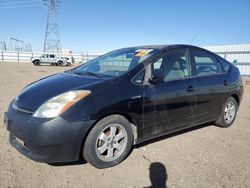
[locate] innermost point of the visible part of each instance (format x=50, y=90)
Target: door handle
x=190, y=89
x=225, y=83
x=136, y=97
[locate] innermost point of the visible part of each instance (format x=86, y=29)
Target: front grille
x=20, y=109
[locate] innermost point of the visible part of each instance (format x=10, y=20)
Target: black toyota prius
x=100, y=109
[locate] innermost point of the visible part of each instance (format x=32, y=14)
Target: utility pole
x=52, y=39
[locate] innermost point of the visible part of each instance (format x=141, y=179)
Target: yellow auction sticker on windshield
x=142, y=52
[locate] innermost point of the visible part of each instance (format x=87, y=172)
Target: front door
x=169, y=98
x=45, y=58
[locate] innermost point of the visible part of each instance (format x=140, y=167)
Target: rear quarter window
x=224, y=64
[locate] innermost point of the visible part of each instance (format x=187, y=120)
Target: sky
x=104, y=25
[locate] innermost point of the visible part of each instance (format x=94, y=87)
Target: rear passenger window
x=205, y=63
x=52, y=56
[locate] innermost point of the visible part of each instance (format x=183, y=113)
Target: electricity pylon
x=52, y=39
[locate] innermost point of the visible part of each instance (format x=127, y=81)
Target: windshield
x=115, y=63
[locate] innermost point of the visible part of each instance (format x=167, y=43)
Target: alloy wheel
x=111, y=142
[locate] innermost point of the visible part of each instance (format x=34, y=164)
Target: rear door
x=52, y=58
x=211, y=85
x=168, y=104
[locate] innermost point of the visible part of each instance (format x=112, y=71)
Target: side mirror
x=156, y=80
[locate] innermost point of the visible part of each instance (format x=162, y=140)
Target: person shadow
x=158, y=175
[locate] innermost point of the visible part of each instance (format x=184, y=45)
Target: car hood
x=35, y=94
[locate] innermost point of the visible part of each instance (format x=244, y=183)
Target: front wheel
x=109, y=142
x=228, y=113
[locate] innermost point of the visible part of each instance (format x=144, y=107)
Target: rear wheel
x=36, y=63
x=109, y=142
x=59, y=63
x=228, y=113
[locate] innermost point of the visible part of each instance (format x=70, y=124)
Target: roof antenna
x=193, y=39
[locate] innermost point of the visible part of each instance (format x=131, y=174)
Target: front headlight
x=57, y=105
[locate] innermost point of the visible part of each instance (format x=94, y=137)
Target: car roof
x=164, y=47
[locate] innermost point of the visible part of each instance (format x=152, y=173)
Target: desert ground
x=206, y=156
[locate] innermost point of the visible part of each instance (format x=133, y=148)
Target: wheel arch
x=35, y=60
x=236, y=97
x=125, y=115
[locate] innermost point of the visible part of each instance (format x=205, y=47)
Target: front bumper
x=46, y=140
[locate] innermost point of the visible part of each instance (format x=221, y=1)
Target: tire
x=36, y=63
x=109, y=142
x=59, y=63
x=228, y=113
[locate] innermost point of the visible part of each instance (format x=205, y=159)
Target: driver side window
x=171, y=66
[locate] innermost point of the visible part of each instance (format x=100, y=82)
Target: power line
x=126, y=21
x=143, y=28
x=130, y=26
x=21, y=6
x=18, y=2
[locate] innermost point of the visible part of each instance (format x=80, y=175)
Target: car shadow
x=153, y=140
x=74, y=163
x=158, y=175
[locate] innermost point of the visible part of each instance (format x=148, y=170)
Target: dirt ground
x=207, y=156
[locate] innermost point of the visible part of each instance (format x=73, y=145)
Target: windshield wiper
x=94, y=74
x=89, y=73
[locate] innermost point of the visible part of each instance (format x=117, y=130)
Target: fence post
x=82, y=60
x=225, y=55
x=2, y=57
x=18, y=56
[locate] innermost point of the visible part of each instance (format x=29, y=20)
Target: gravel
x=206, y=156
